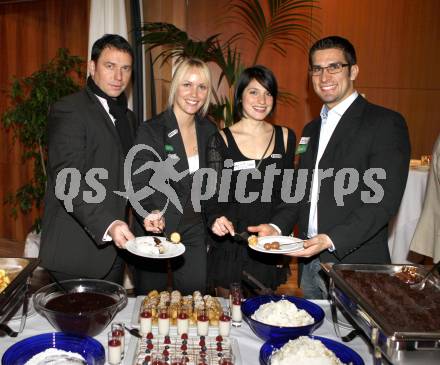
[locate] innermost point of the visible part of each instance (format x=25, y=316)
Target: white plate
x=171, y=249
x=295, y=244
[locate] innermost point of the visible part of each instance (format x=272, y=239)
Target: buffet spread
x=402, y=323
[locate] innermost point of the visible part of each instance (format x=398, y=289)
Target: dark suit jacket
x=81, y=135
x=367, y=136
x=162, y=134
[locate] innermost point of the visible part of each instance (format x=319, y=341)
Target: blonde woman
x=178, y=136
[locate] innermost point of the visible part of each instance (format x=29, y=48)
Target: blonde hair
x=181, y=70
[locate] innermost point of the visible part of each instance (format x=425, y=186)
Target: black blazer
x=367, y=136
x=81, y=135
x=163, y=135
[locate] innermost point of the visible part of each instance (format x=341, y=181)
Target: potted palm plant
x=27, y=118
x=286, y=22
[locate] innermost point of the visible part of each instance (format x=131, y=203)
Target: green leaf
x=27, y=117
x=274, y=24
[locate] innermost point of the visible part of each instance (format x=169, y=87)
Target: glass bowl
x=21, y=352
x=342, y=352
x=87, y=308
x=267, y=331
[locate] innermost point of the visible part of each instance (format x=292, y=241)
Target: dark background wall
x=397, y=43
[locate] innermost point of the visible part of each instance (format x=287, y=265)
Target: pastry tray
x=213, y=330
x=137, y=347
x=400, y=348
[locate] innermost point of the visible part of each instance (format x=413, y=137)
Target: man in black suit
x=361, y=152
x=89, y=135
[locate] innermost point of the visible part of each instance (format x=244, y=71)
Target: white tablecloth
x=249, y=343
x=403, y=226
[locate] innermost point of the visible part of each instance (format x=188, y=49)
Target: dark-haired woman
x=255, y=147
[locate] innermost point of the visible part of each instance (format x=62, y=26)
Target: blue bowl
x=342, y=352
x=90, y=349
x=268, y=332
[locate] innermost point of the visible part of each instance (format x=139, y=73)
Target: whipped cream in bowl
x=282, y=313
x=304, y=351
x=281, y=316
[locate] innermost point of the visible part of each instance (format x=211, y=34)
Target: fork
x=421, y=284
x=243, y=236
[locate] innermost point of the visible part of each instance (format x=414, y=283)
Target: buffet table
x=249, y=343
x=403, y=226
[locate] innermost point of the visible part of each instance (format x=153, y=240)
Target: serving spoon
x=57, y=282
x=420, y=285
x=133, y=331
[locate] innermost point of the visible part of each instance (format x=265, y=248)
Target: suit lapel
x=308, y=158
x=202, y=137
x=345, y=130
x=173, y=141
x=132, y=122
x=105, y=119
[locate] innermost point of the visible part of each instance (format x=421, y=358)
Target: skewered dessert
x=176, y=302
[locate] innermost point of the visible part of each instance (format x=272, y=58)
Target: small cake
x=175, y=237
x=252, y=240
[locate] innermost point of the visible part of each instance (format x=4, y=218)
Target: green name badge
x=169, y=148
x=302, y=147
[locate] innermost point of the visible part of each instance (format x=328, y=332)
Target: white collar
x=340, y=108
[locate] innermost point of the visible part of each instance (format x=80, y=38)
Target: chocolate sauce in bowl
x=80, y=302
x=86, y=313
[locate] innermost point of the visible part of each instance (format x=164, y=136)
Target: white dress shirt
x=106, y=237
x=329, y=121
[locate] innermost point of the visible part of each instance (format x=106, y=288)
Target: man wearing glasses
x=360, y=153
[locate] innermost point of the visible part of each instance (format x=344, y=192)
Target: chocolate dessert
x=403, y=309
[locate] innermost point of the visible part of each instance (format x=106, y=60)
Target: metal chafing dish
x=14, y=295
x=401, y=348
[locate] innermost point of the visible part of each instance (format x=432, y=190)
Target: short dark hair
x=335, y=41
x=110, y=41
x=261, y=74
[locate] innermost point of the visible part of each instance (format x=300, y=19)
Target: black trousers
x=115, y=274
x=188, y=270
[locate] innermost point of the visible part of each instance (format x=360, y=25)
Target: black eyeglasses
x=333, y=68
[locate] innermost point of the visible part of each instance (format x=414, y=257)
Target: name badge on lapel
x=302, y=147
x=173, y=133
x=244, y=165
x=276, y=155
